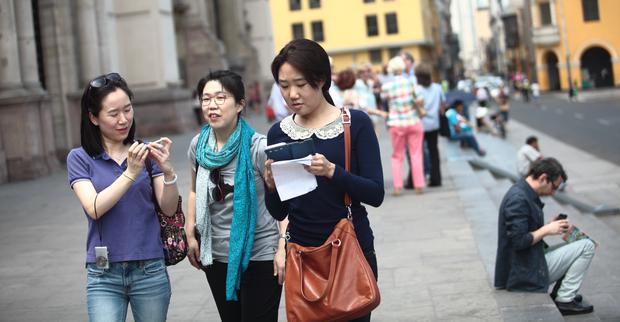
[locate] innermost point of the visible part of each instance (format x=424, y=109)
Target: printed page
x=292, y=179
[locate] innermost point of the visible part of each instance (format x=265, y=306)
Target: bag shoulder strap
x=149, y=169
x=346, y=123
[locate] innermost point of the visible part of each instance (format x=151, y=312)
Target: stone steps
x=600, y=287
x=481, y=193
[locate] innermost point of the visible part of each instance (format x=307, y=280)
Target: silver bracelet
x=173, y=181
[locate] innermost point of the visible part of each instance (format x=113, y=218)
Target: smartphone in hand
x=159, y=141
x=562, y=216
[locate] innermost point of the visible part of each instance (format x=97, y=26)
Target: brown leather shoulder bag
x=332, y=282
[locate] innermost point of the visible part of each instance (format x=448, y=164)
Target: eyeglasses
x=103, y=80
x=221, y=189
x=219, y=99
x=554, y=187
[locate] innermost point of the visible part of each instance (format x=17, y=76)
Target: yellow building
x=356, y=31
x=586, y=33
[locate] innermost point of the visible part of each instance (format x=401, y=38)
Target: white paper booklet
x=292, y=179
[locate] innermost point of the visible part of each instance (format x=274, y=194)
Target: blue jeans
x=470, y=139
x=144, y=284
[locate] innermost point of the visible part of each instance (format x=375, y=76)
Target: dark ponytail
x=310, y=59
x=328, y=97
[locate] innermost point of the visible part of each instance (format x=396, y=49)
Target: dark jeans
x=259, y=294
x=430, y=138
x=470, y=140
x=371, y=258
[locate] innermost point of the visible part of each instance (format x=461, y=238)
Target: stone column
x=27, y=45
x=88, y=40
x=242, y=57
x=107, y=35
x=10, y=74
x=201, y=50
x=147, y=58
x=146, y=43
x=27, y=148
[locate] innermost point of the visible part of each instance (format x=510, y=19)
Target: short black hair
x=310, y=59
x=456, y=103
x=92, y=97
x=423, y=75
x=231, y=81
x=550, y=166
x=531, y=139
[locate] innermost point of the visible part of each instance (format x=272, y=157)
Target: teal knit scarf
x=244, y=197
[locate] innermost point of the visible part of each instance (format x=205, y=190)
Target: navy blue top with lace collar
x=313, y=216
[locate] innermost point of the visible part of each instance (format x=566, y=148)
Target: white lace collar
x=298, y=132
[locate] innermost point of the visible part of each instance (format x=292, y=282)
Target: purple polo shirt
x=130, y=229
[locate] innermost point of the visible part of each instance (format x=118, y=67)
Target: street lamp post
x=566, y=47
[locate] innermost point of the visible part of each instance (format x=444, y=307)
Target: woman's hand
x=320, y=166
x=269, y=182
x=193, y=251
x=136, y=155
x=160, y=152
x=279, y=261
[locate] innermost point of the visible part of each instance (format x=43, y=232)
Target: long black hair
x=90, y=134
x=309, y=58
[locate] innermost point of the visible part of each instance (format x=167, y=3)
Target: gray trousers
x=571, y=261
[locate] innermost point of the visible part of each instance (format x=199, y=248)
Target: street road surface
x=590, y=126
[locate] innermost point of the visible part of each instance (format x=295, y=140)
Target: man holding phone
x=523, y=262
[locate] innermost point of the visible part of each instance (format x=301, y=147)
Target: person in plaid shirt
x=404, y=125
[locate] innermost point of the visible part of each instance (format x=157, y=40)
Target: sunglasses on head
x=103, y=80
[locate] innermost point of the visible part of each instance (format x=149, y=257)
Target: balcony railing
x=546, y=36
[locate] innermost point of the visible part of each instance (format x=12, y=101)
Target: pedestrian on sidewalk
x=572, y=92
x=434, y=103
x=355, y=97
x=528, y=154
x=235, y=241
x=124, y=253
x=523, y=261
x=536, y=94
x=405, y=126
x=277, y=104
x=303, y=73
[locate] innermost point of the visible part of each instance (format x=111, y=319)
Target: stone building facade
x=50, y=49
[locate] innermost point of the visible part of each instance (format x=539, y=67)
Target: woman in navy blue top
x=303, y=73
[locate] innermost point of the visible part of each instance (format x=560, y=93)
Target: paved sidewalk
x=595, y=94
x=430, y=265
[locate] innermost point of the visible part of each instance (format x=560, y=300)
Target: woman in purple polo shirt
x=124, y=253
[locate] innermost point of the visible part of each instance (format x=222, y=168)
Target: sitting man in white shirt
x=527, y=154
